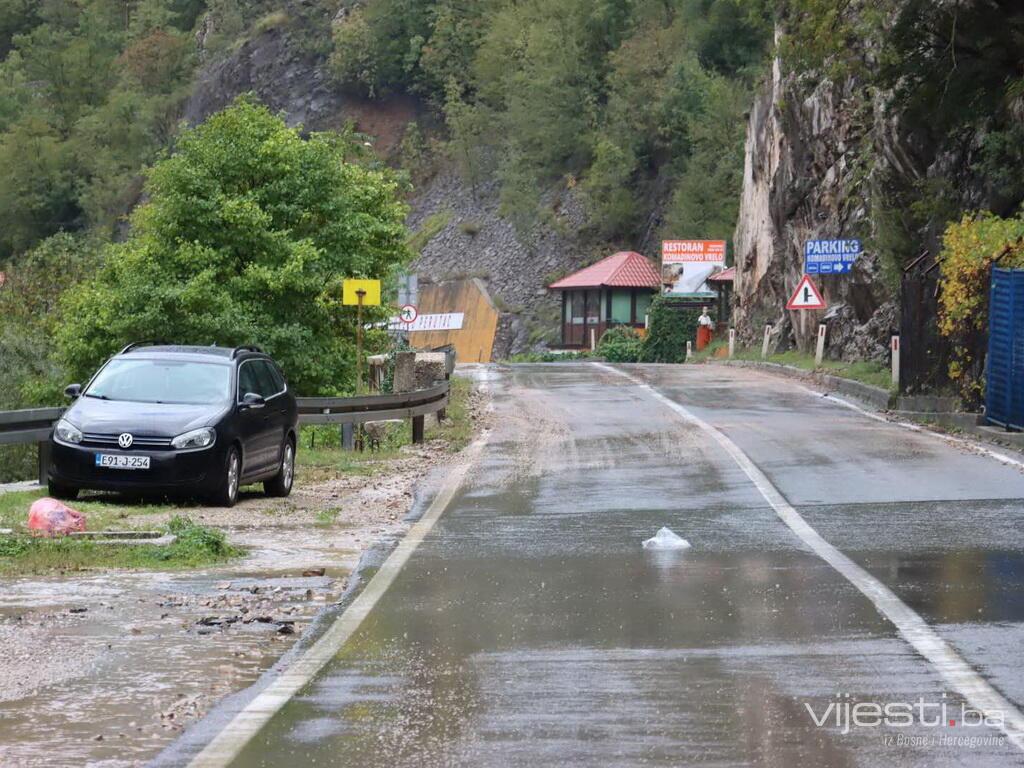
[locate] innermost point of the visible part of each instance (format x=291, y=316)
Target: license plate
x=122, y=462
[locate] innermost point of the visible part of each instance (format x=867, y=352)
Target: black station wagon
x=178, y=420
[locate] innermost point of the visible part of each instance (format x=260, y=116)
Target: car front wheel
x=226, y=493
x=281, y=484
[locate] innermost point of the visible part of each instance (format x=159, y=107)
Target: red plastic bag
x=50, y=517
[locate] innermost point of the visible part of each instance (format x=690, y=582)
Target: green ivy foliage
x=247, y=235
x=670, y=329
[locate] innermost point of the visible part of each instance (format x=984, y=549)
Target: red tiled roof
x=625, y=269
x=725, y=276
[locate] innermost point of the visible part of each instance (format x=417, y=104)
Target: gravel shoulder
x=108, y=667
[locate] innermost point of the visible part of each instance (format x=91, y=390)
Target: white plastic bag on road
x=666, y=539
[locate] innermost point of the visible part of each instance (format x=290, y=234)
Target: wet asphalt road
x=531, y=629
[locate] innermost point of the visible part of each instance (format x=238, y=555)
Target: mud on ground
x=106, y=668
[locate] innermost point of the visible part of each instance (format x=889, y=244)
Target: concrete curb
x=24, y=485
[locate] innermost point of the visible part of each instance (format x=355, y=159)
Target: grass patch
x=102, y=512
x=457, y=429
x=712, y=350
x=271, y=21
x=874, y=374
x=320, y=456
x=326, y=517
x=196, y=546
x=550, y=357
x=429, y=229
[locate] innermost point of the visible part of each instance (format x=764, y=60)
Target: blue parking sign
x=830, y=257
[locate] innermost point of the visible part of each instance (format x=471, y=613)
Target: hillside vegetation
x=638, y=104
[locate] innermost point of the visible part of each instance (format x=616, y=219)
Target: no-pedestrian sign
x=830, y=257
x=806, y=296
x=408, y=314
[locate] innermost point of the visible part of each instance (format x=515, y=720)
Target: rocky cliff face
x=803, y=180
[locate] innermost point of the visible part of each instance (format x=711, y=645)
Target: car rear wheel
x=281, y=484
x=61, y=491
x=227, y=491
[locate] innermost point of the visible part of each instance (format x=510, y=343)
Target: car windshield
x=162, y=381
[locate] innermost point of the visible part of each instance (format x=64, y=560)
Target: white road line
x=229, y=742
x=974, y=446
x=978, y=693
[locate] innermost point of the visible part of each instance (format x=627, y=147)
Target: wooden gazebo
x=614, y=291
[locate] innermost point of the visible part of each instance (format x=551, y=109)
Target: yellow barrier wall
x=474, y=343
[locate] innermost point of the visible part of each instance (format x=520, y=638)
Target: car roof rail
x=247, y=348
x=146, y=343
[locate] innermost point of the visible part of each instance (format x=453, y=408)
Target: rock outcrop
x=279, y=73
x=803, y=179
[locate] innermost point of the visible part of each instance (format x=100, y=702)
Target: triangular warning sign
x=806, y=296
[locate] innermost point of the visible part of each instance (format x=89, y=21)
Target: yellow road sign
x=369, y=288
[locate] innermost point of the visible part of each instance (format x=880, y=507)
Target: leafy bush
x=248, y=232
x=620, y=344
x=970, y=248
x=670, y=329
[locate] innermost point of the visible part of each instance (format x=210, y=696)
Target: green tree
x=30, y=314
x=611, y=206
x=247, y=235
x=705, y=202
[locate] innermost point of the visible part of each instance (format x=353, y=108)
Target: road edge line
x=977, y=691
x=240, y=730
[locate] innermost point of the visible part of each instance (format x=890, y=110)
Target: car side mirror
x=252, y=400
x=72, y=391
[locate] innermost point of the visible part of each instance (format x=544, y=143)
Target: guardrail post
x=348, y=437
x=819, y=352
x=767, y=338
x=44, y=462
x=732, y=342
x=417, y=429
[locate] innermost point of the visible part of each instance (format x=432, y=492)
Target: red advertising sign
x=686, y=265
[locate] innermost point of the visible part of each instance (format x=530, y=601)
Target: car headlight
x=197, y=438
x=67, y=432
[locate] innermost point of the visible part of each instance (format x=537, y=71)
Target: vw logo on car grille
x=125, y=440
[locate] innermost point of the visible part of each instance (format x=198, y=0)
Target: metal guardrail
x=30, y=426
x=34, y=425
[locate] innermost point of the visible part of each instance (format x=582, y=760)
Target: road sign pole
x=359, y=342
x=732, y=342
x=819, y=353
